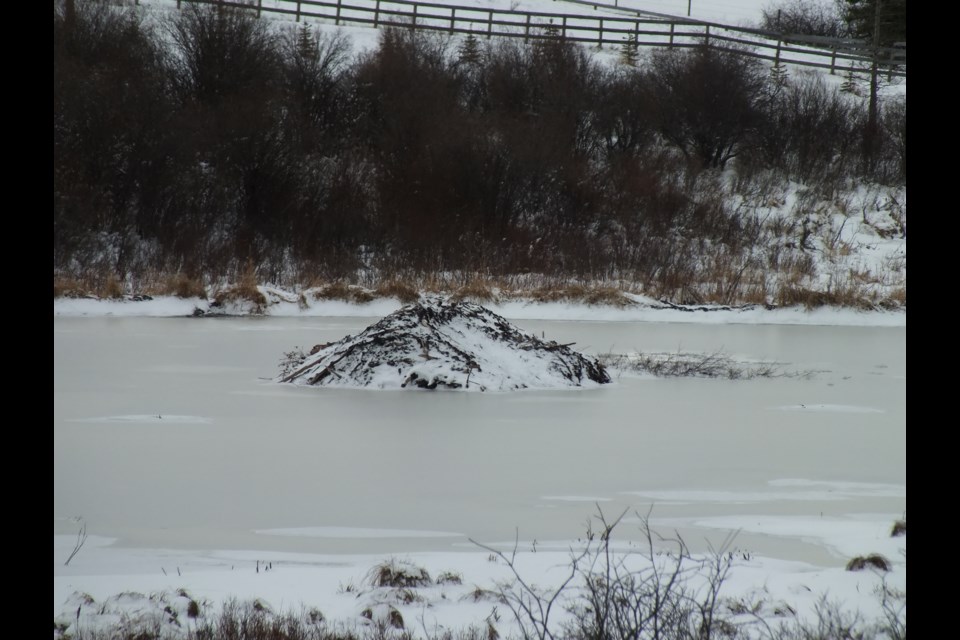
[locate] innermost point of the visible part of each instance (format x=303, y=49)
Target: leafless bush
x=830, y=621
x=807, y=17
x=81, y=540
x=689, y=365
x=707, y=101
x=671, y=594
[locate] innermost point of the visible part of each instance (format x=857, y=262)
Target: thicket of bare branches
x=216, y=140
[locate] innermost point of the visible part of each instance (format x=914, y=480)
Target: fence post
x=376, y=16
x=706, y=36
x=298, y=11
x=600, y=39
x=178, y=4
x=489, y=24
x=259, y=6
x=526, y=32
x=776, y=57
x=337, y=20
x=672, y=25
x=413, y=24
x=563, y=32
x=833, y=61
x=453, y=18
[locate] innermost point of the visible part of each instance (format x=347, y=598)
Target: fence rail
x=642, y=28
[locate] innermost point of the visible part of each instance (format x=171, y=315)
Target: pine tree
x=306, y=44
x=850, y=84
x=629, y=51
x=778, y=75
x=863, y=17
x=469, y=51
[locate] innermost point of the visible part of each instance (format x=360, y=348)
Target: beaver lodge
x=440, y=343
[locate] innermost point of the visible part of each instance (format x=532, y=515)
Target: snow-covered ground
x=105, y=587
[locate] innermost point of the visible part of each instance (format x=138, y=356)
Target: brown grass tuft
x=789, y=295
x=398, y=574
x=68, y=288
x=340, y=290
x=899, y=528
x=183, y=286
x=333, y=291
x=111, y=287
x=449, y=577
x=591, y=295
x=475, y=290
x=874, y=560
x=246, y=289
x=399, y=290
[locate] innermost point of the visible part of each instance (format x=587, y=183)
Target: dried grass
x=873, y=560
x=398, y=574
x=183, y=286
x=402, y=291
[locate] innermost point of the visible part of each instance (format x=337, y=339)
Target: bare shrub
x=829, y=622
x=221, y=52
x=81, y=540
x=707, y=101
x=683, y=365
x=807, y=17
x=667, y=595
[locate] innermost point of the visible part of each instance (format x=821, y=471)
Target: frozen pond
x=168, y=433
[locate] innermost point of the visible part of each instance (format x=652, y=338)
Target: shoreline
x=638, y=309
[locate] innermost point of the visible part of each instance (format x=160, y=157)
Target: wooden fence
x=610, y=29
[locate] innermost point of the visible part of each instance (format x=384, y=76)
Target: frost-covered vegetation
x=204, y=147
x=653, y=588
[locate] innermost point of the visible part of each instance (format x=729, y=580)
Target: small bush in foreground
x=398, y=574
x=670, y=595
x=449, y=577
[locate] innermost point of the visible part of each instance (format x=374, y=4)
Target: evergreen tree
x=778, y=75
x=864, y=16
x=469, y=51
x=629, y=54
x=850, y=84
x=306, y=45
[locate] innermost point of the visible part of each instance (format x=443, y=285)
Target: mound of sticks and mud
x=440, y=343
